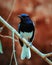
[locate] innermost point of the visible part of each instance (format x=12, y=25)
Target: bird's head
x=23, y=17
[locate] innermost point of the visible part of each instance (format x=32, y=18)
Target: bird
x=26, y=30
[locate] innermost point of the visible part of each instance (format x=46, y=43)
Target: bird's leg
x=21, y=36
x=30, y=43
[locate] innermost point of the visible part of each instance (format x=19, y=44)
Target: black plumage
x=26, y=25
x=26, y=29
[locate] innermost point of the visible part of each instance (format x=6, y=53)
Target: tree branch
x=26, y=42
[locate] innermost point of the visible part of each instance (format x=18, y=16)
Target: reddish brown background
x=40, y=12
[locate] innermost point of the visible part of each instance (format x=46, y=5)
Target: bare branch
x=48, y=54
x=1, y=28
x=14, y=48
x=26, y=42
x=8, y=37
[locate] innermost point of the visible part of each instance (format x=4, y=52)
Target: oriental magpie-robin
x=26, y=29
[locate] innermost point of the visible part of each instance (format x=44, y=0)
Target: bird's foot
x=21, y=36
x=30, y=44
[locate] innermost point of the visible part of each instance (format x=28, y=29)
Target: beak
x=19, y=16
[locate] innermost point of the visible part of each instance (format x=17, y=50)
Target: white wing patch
x=26, y=35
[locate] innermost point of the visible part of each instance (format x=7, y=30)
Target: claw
x=30, y=44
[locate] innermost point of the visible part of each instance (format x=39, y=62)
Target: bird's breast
x=26, y=35
x=26, y=27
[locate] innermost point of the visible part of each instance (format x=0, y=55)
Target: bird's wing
x=21, y=43
x=33, y=33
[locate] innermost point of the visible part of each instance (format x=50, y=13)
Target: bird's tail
x=26, y=53
x=23, y=53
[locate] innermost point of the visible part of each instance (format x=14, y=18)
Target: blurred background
x=40, y=11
